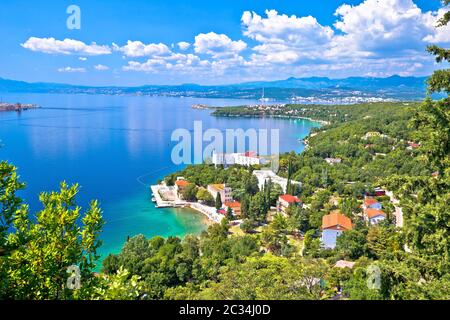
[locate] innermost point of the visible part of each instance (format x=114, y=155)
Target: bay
x=115, y=147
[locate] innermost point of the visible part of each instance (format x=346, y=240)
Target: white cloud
x=71, y=70
x=436, y=35
x=135, y=49
x=217, y=45
x=282, y=29
x=183, y=45
x=374, y=37
x=101, y=67
x=387, y=27
x=174, y=62
x=285, y=39
x=65, y=47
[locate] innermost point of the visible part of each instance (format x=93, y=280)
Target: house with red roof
x=180, y=185
x=235, y=207
x=333, y=225
x=371, y=203
x=285, y=201
x=374, y=216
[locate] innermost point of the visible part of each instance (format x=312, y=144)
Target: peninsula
x=17, y=107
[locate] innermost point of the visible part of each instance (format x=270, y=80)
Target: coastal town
x=372, y=207
x=221, y=204
x=165, y=196
x=17, y=107
x=232, y=159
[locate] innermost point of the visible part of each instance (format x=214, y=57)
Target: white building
x=264, y=175
x=244, y=159
x=223, y=190
x=370, y=203
x=333, y=161
x=374, y=216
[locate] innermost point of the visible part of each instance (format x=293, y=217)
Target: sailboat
x=263, y=98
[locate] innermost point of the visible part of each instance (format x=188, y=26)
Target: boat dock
x=171, y=200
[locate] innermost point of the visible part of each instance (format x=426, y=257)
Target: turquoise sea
x=115, y=147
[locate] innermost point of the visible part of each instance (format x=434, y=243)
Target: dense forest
x=332, y=114
x=400, y=147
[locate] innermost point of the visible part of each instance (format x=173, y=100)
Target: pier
x=173, y=201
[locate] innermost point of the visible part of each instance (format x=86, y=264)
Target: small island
x=18, y=107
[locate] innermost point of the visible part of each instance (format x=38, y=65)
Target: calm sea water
x=115, y=147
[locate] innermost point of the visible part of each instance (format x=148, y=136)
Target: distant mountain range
x=359, y=83
x=294, y=89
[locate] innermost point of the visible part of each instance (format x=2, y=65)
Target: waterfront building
x=223, y=190
x=180, y=185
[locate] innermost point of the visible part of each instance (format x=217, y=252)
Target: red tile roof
x=233, y=204
x=336, y=220
x=290, y=199
x=371, y=213
x=250, y=154
x=370, y=201
x=181, y=183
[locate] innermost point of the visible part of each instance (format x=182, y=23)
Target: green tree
x=258, y=207
x=110, y=264
x=440, y=80
x=119, y=286
x=229, y=212
x=268, y=277
x=205, y=196
x=247, y=226
x=424, y=198
x=189, y=193
x=279, y=223
x=9, y=201
x=352, y=244
x=298, y=219
x=218, y=203
x=275, y=192
x=47, y=245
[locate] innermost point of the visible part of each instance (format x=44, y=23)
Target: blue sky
x=139, y=42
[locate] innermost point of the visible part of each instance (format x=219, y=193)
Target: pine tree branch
x=440, y=53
